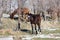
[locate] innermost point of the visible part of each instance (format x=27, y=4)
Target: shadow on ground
x=26, y=30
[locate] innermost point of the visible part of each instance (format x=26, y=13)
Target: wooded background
x=8, y=6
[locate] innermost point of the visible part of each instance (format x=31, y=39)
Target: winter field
x=49, y=8
x=50, y=30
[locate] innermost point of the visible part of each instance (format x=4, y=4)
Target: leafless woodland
x=8, y=6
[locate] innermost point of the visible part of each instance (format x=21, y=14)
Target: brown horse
x=36, y=20
x=54, y=13
x=23, y=16
x=23, y=10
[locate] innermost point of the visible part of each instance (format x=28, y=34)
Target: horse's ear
x=30, y=14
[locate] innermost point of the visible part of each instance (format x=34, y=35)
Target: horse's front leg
x=18, y=26
x=32, y=28
x=36, y=29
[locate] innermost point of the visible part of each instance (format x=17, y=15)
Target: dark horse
x=35, y=19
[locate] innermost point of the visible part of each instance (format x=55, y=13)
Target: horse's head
x=29, y=17
x=13, y=13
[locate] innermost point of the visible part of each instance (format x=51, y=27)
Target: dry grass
x=8, y=27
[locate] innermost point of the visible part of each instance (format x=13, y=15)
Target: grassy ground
x=9, y=26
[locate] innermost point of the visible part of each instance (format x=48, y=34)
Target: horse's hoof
x=40, y=30
x=36, y=32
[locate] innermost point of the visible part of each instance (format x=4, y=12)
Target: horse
x=22, y=17
x=54, y=13
x=23, y=11
x=35, y=19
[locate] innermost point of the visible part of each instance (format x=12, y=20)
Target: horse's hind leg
x=36, y=29
x=32, y=28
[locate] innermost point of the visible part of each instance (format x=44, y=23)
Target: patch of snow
x=6, y=15
x=50, y=29
x=30, y=37
x=15, y=15
x=6, y=38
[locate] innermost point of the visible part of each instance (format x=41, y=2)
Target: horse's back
x=35, y=18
